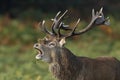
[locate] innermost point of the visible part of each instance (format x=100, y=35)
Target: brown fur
x=67, y=66
x=63, y=64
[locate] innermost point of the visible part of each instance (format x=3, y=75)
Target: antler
x=97, y=19
x=44, y=28
x=56, y=24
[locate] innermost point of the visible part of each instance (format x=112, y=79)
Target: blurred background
x=19, y=31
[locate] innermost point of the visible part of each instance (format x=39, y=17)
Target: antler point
x=101, y=10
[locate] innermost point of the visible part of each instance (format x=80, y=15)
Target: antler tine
x=59, y=33
x=97, y=18
x=57, y=15
x=54, y=21
x=101, y=10
x=55, y=18
x=73, y=31
x=97, y=15
x=93, y=13
x=61, y=17
x=57, y=22
x=44, y=28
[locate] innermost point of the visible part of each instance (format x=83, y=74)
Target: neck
x=64, y=63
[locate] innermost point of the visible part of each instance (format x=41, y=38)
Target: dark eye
x=51, y=44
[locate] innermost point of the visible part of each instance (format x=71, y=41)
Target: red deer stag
x=63, y=64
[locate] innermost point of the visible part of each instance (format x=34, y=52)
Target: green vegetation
x=22, y=65
x=19, y=31
x=17, y=56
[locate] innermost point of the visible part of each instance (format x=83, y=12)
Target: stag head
x=51, y=45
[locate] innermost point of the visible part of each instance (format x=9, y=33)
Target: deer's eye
x=51, y=44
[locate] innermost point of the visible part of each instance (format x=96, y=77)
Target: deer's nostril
x=36, y=45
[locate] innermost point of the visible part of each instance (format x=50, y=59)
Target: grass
x=17, y=56
x=15, y=65
x=22, y=65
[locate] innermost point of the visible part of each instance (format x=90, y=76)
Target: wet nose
x=36, y=45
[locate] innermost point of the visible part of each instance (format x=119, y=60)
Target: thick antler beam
x=97, y=19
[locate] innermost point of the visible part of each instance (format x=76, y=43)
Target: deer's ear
x=62, y=42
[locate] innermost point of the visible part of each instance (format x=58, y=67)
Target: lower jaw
x=38, y=56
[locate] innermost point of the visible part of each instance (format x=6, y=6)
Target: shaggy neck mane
x=64, y=63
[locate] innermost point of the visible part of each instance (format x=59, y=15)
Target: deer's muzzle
x=39, y=51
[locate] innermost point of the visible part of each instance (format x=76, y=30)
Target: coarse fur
x=63, y=64
x=67, y=66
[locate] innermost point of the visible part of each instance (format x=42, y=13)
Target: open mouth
x=39, y=53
